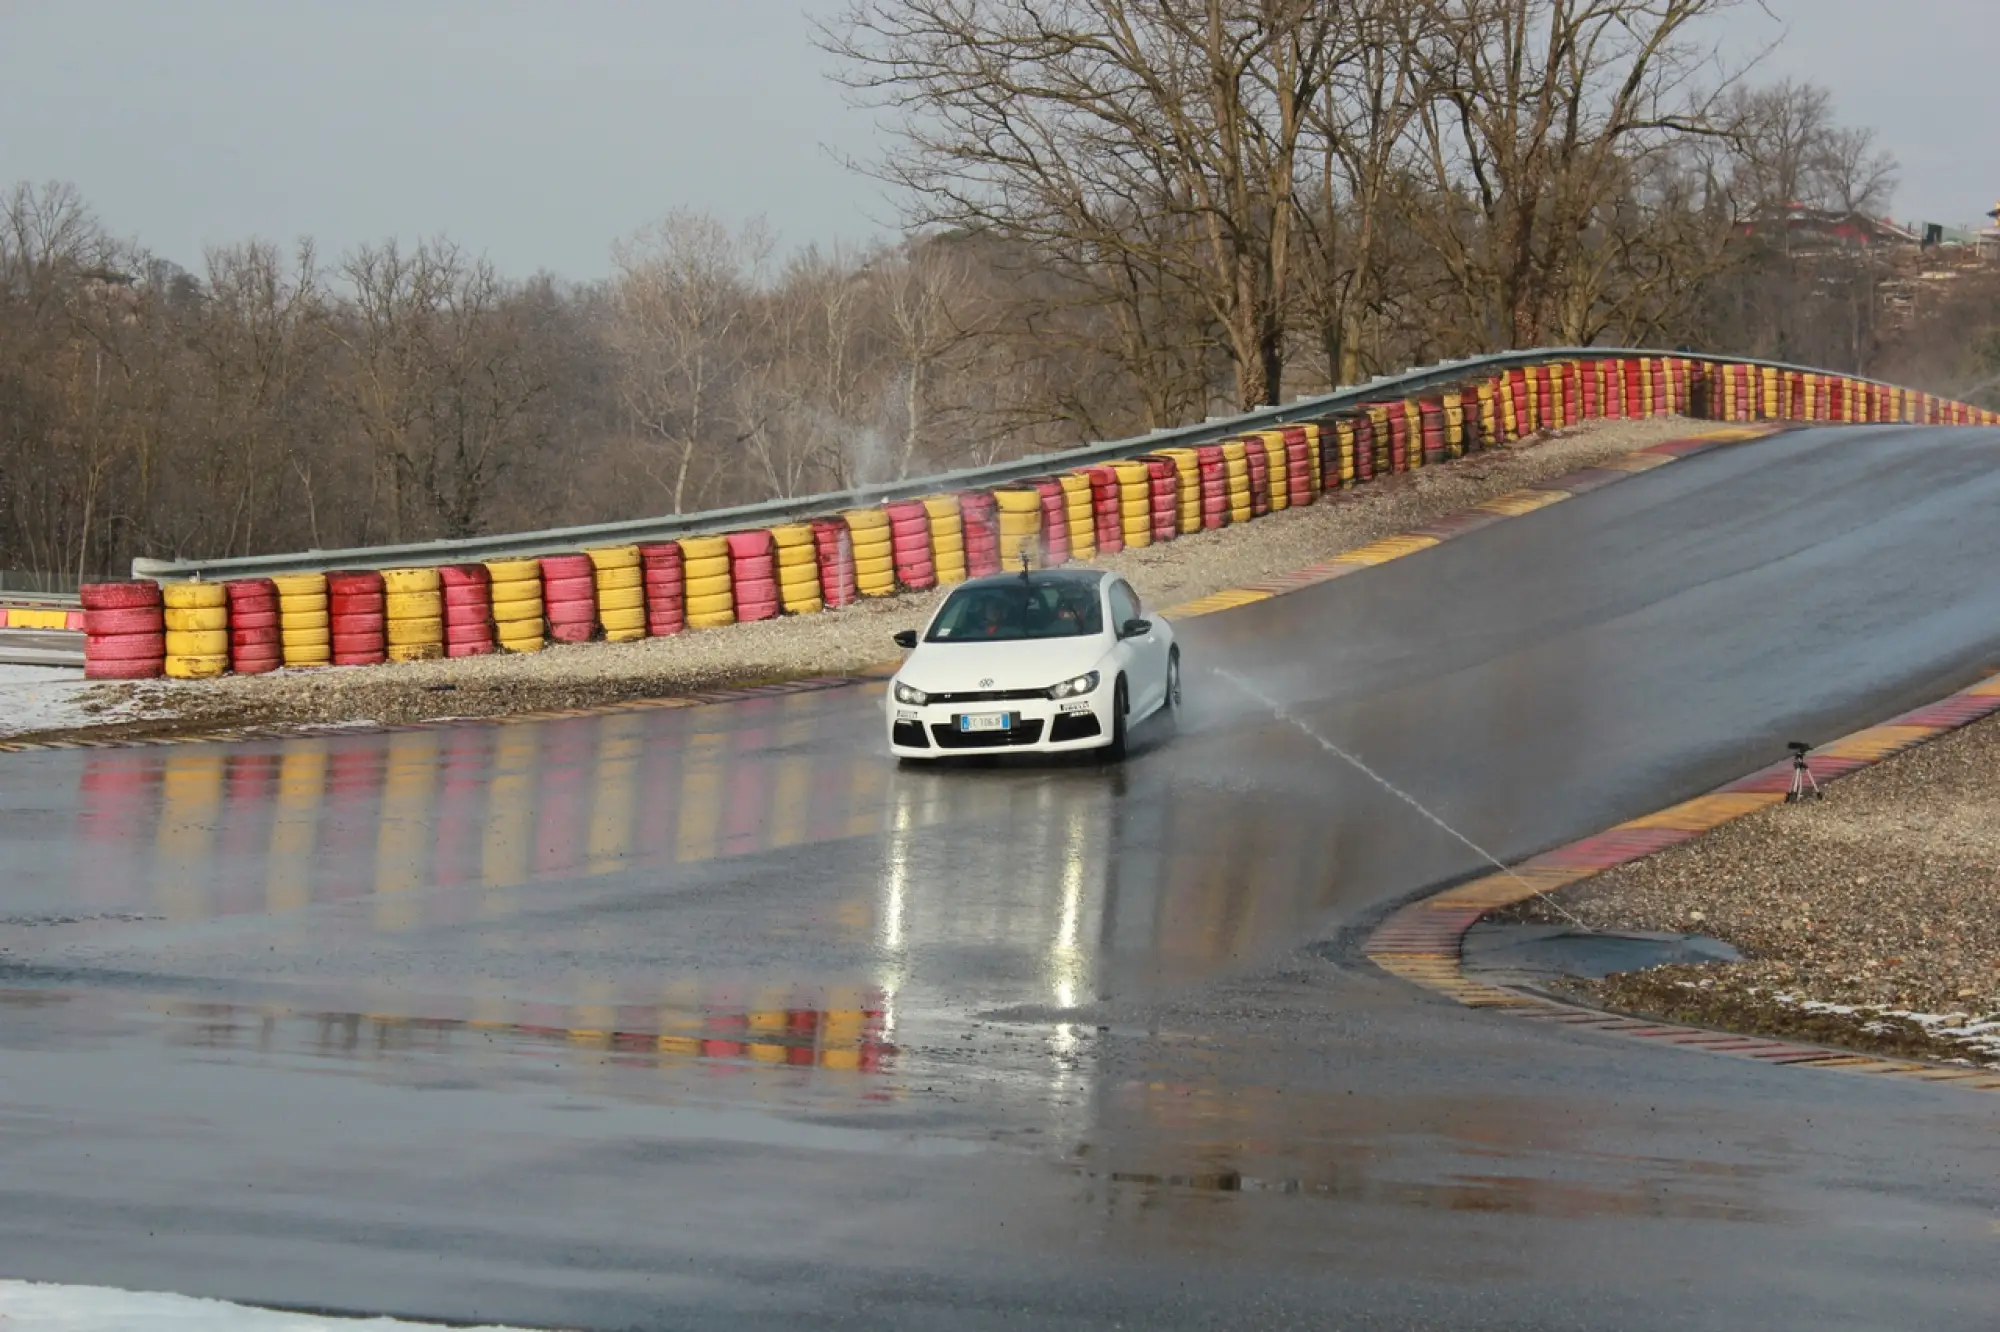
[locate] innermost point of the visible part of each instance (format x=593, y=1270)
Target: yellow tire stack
x=874, y=551
x=197, y=630
x=1344, y=450
x=1278, y=468
x=517, y=604
x=1768, y=409
x=710, y=597
x=798, y=567
x=947, y=538
x=303, y=621
x=1020, y=519
x=1082, y=515
x=1236, y=478
x=1187, y=467
x=1454, y=425
x=1413, y=428
x=1314, y=463
x=1135, y=503
x=621, y=592
x=1489, y=419
x=414, y=606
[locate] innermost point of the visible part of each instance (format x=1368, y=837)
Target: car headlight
x=1082, y=684
x=909, y=694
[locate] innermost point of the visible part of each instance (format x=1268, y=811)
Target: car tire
x=1170, y=707
x=1120, y=705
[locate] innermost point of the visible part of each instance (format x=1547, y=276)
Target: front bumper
x=1037, y=726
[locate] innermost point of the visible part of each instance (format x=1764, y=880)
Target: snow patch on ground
x=41, y=698
x=33, y=1307
x=1981, y=1034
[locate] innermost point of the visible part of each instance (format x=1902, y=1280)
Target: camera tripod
x=1804, y=785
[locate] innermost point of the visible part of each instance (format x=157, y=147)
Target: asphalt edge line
x=1381, y=550
x=1422, y=942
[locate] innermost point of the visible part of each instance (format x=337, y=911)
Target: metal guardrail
x=560, y=540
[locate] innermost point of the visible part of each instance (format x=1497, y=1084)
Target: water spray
x=1279, y=711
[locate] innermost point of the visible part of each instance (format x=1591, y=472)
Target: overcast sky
x=540, y=131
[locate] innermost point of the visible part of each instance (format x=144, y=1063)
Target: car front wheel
x=1172, y=706
x=1115, y=751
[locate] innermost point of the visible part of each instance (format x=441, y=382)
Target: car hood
x=957, y=668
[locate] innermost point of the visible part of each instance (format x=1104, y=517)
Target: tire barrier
x=569, y=597
x=947, y=538
x=910, y=543
x=709, y=587
x=1057, y=547
x=468, y=610
x=1212, y=474
x=124, y=631
x=1079, y=514
x=666, y=593
x=981, y=519
x=1163, y=494
x=305, y=628
x=1236, y=480
x=1301, y=488
x=516, y=591
x=753, y=575
x=834, y=547
x=874, y=552
x=1107, y=509
x=618, y=583
x=1187, y=488
x=798, y=568
x=1135, y=502
x=1020, y=517
x=358, y=610
x=1278, y=469
x=197, y=630
x=413, y=601
x=256, y=645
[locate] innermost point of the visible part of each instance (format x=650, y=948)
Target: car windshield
x=994, y=613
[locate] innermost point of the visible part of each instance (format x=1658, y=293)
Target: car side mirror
x=906, y=638
x=1135, y=628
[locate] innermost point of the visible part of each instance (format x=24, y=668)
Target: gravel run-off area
x=832, y=642
x=1870, y=919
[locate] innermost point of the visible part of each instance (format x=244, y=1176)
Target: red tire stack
x=1104, y=500
x=256, y=643
x=1163, y=492
x=834, y=545
x=569, y=597
x=1259, y=463
x=468, y=610
x=1432, y=414
x=357, y=613
x=1056, y=548
x=1399, y=434
x=125, y=631
x=910, y=544
x=979, y=512
x=753, y=574
x=1215, y=486
x=666, y=588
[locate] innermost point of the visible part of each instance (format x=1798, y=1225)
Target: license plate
x=986, y=721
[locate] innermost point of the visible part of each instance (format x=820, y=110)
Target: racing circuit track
x=711, y=1017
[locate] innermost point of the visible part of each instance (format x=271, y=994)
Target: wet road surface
x=713, y=1017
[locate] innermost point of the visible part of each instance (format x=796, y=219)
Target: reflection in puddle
x=838, y=1038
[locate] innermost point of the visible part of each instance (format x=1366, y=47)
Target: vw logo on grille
x=985, y=684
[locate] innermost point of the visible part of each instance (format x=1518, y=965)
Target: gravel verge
x=835, y=642
x=1870, y=919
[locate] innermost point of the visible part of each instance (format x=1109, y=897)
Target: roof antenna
x=1024, y=565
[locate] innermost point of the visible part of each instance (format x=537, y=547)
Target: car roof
x=1065, y=577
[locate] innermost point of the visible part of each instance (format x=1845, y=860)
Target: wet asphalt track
x=713, y=1018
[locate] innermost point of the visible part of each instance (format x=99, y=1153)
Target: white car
x=1041, y=661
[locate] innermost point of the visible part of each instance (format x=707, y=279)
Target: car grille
x=948, y=736
x=1074, y=726
x=911, y=735
x=987, y=696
